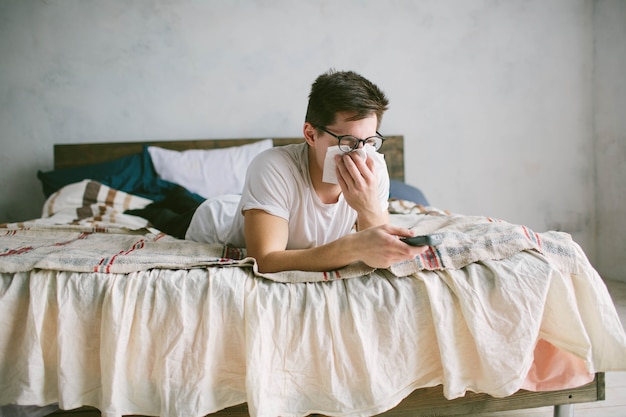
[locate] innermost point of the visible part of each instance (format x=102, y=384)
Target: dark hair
x=345, y=91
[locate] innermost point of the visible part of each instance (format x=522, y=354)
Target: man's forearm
x=327, y=257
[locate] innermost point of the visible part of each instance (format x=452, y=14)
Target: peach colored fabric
x=555, y=369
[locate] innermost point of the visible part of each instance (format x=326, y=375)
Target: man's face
x=361, y=129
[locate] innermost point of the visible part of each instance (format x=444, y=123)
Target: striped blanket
x=89, y=206
x=83, y=229
x=469, y=239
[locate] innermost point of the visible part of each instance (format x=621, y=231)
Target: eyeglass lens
x=350, y=143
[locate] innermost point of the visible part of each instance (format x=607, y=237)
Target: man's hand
x=380, y=247
x=359, y=184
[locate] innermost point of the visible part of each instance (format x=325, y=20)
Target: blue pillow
x=403, y=191
x=133, y=174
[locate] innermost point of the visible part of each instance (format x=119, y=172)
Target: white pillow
x=208, y=173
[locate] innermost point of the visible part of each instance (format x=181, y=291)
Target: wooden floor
x=615, y=403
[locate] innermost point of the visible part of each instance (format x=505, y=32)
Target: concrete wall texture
x=513, y=109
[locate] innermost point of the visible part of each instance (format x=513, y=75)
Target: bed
x=101, y=314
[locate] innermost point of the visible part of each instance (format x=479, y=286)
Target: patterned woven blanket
x=469, y=239
x=102, y=239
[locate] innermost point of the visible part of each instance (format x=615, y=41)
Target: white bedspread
x=193, y=341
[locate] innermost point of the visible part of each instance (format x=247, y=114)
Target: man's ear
x=310, y=133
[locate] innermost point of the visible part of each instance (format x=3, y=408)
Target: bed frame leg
x=564, y=410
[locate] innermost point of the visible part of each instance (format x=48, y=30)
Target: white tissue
x=329, y=175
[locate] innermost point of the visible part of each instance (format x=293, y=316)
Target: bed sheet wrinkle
x=127, y=363
x=363, y=350
x=599, y=318
x=134, y=366
x=561, y=312
x=52, y=300
x=78, y=302
x=329, y=370
x=379, y=312
x=204, y=348
x=348, y=337
x=494, y=331
x=456, y=354
x=15, y=372
x=203, y=345
x=497, y=306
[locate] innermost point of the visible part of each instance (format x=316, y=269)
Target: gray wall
x=610, y=136
x=499, y=102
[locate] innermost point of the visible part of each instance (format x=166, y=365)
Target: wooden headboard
x=73, y=155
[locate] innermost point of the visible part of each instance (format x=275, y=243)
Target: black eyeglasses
x=348, y=143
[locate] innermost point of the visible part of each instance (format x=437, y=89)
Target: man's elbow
x=263, y=265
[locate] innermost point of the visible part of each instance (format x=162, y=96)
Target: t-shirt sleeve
x=268, y=184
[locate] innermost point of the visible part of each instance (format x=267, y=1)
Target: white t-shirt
x=212, y=220
x=278, y=182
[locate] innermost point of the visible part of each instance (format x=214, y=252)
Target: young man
x=290, y=219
